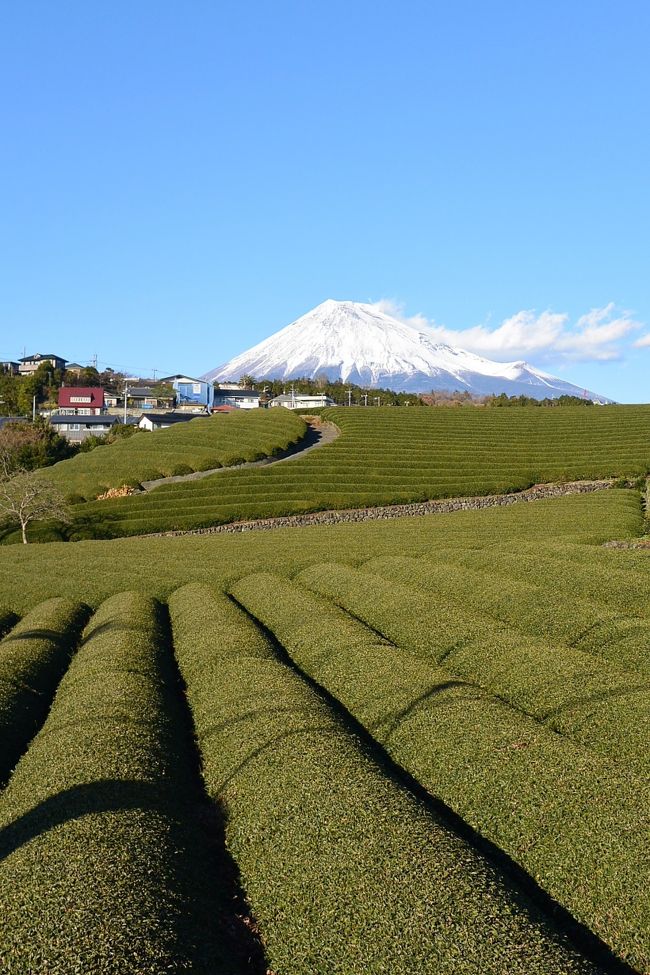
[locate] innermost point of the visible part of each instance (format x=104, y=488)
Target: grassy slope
x=103, y=865
x=401, y=455
x=346, y=871
x=508, y=542
x=202, y=444
x=91, y=571
x=495, y=765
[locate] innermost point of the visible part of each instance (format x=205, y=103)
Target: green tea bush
x=202, y=444
x=496, y=767
x=345, y=870
x=592, y=701
x=534, y=608
x=104, y=864
x=33, y=658
x=393, y=456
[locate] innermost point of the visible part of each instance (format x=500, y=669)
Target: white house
x=159, y=421
x=241, y=399
x=301, y=401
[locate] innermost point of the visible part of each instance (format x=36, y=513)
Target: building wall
x=194, y=391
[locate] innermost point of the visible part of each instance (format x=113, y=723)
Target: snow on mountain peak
x=360, y=343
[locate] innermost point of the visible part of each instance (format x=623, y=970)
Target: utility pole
x=349, y=397
x=34, y=408
x=95, y=361
x=293, y=396
x=126, y=396
x=377, y=400
x=154, y=374
x=365, y=399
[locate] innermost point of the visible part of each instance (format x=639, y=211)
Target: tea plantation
x=204, y=443
x=410, y=746
x=386, y=456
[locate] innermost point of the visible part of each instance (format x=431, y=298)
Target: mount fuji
x=360, y=344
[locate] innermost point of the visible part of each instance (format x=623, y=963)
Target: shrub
x=495, y=766
x=104, y=864
x=33, y=658
x=345, y=870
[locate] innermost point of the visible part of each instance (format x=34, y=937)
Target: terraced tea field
x=386, y=456
x=204, y=443
x=408, y=746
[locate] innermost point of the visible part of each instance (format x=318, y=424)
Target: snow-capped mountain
x=357, y=343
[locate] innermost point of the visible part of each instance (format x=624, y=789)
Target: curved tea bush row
x=391, y=455
x=540, y=610
x=346, y=872
x=592, y=701
x=101, y=863
x=619, y=580
x=494, y=766
x=221, y=440
x=33, y=658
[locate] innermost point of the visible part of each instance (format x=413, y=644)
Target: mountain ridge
x=359, y=343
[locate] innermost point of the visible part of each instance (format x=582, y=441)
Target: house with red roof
x=81, y=401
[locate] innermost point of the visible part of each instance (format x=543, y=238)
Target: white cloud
x=600, y=334
x=643, y=342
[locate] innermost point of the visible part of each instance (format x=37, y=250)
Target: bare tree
x=26, y=496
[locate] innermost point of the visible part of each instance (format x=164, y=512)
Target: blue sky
x=178, y=181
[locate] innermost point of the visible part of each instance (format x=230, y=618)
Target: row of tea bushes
x=33, y=658
x=201, y=444
x=497, y=768
x=102, y=865
x=588, y=699
x=542, y=611
x=393, y=456
x=613, y=578
x=345, y=870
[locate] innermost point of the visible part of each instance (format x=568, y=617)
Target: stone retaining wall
x=537, y=493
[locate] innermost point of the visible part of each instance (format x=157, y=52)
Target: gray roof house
x=77, y=428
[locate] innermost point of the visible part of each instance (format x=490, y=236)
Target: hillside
x=481, y=721
x=222, y=440
x=386, y=456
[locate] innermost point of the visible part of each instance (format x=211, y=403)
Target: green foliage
x=104, y=866
x=565, y=400
x=33, y=658
x=200, y=444
x=591, y=701
x=27, y=445
x=390, y=456
x=346, y=871
x=494, y=765
x=575, y=524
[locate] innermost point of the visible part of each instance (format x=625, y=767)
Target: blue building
x=191, y=392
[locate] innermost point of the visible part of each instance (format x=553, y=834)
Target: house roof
x=223, y=393
x=67, y=395
x=12, y=419
x=105, y=418
x=168, y=418
x=39, y=355
x=181, y=375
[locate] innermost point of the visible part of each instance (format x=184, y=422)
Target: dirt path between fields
x=319, y=434
x=352, y=515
